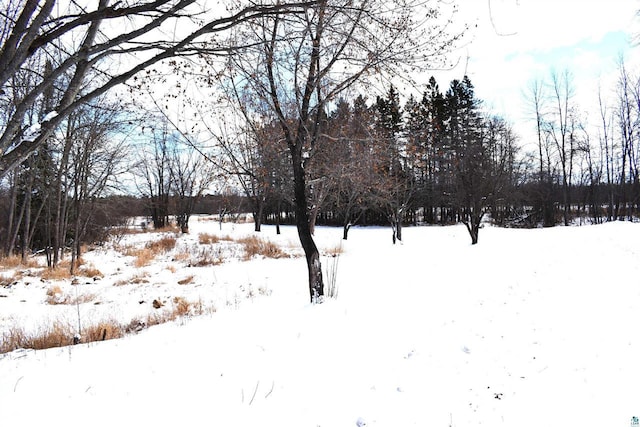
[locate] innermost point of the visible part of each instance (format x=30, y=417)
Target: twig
x=254, y=393
x=273, y=383
x=16, y=385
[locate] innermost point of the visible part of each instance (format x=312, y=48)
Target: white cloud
x=516, y=41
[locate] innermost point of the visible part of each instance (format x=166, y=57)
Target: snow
x=527, y=328
x=33, y=132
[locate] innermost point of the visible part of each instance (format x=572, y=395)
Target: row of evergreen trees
x=438, y=159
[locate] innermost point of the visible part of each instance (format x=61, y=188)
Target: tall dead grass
x=209, y=239
x=55, y=334
x=59, y=334
x=145, y=255
x=16, y=261
x=57, y=273
x=9, y=279
x=254, y=246
x=163, y=245
x=55, y=296
x=105, y=330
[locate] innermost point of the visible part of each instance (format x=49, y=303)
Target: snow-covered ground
x=527, y=328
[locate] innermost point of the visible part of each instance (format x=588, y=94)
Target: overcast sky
x=530, y=38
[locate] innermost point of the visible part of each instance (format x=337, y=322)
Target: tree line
x=296, y=124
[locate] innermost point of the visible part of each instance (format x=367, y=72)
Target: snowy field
x=527, y=328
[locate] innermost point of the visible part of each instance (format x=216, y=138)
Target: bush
x=163, y=245
x=256, y=246
x=105, y=330
x=56, y=334
x=15, y=261
x=208, y=239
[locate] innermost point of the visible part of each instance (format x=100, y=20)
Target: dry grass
x=171, y=228
x=206, y=256
x=183, y=255
x=105, y=330
x=55, y=334
x=143, y=256
x=163, y=245
x=15, y=261
x=59, y=334
x=208, y=239
x=134, y=280
x=181, y=307
x=123, y=231
x=54, y=290
x=90, y=271
x=62, y=270
x=58, y=273
x=55, y=296
x=334, y=251
x=256, y=246
x=186, y=280
x=9, y=279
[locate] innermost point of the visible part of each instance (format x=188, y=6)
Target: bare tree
x=628, y=114
x=191, y=176
x=299, y=63
x=153, y=175
x=561, y=131
x=98, y=39
x=606, y=150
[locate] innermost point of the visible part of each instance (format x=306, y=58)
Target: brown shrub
x=105, y=330
x=57, y=334
x=15, y=261
x=90, y=271
x=135, y=280
x=143, y=256
x=256, y=246
x=12, y=339
x=61, y=272
x=186, y=280
x=165, y=244
x=170, y=228
x=181, y=307
x=207, y=256
x=54, y=290
x=208, y=239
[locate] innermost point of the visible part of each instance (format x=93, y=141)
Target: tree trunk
x=345, y=230
x=472, y=222
x=257, y=214
x=278, y=217
x=12, y=225
x=313, y=216
x=316, y=285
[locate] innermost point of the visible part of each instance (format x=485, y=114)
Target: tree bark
x=316, y=285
